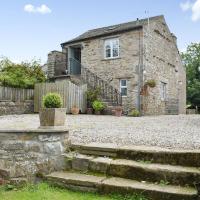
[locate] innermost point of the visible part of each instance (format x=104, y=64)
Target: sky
x=30, y=29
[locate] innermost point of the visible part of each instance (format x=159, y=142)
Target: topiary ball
x=52, y=100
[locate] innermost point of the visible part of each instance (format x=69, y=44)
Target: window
x=163, y=91
x=123, y=87
x=111, y=48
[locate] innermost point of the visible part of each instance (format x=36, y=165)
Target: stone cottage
x=137, y=63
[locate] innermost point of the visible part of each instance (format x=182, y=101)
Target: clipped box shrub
x=52, y=100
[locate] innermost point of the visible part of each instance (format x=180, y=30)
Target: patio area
x=177, y=131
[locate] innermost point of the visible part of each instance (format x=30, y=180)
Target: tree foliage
x=191, y=59
x=23, y=75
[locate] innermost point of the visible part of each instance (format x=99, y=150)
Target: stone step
x=137, y=170
x=103, y=184
x=154, y=154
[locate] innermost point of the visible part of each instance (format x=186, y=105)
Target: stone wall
x=10, y=107
x=163, y=64
x=24, y=154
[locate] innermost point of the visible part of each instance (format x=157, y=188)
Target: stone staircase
x=109, y=95
x=159, y=174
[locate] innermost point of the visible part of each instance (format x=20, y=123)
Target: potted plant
x=75, y=110
x=151, y=83
x=118, y=111
x=98, y=106
x=52, y=113
x=134, y=113
x=92, y=95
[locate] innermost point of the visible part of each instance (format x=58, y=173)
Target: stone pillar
x=57, y=64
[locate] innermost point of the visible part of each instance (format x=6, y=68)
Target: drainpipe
x=140, y=71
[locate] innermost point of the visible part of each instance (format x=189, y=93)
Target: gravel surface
x=177, y=131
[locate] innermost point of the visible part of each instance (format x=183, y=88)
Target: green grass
x=43, y=191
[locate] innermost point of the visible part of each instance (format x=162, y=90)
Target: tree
x=191, y=59
x=23, y=75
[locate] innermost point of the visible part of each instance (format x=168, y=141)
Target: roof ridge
x=106, y=30
x=143, y=19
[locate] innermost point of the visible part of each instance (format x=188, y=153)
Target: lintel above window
x=111, y=48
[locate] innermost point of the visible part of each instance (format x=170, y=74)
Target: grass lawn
x=43, y=191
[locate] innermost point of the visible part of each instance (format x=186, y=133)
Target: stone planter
x=52, y=117
x=75, y=111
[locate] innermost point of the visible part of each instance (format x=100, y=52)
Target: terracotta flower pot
x=118, y=111
x=52, y=117
x=75, y=111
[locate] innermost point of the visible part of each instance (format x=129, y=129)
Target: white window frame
x=163, y=91
x=111, y=43
x=122, y=86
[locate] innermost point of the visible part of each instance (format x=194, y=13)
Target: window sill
x=107, y=59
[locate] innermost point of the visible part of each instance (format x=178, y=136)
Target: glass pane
x=123, y=82
x=124, y=91
x=108, y=53
x=115, y=52
x=163, y=90
x=115, y=43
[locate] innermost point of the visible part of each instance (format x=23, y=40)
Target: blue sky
x=32, y=28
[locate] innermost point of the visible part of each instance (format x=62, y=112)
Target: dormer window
x=111, y=48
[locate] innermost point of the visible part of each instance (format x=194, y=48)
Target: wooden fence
x=71, y=94
x=15, y=94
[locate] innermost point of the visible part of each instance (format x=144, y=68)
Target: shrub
x=134, y=113
x=52, y=100
x=23, y=75
x=98, y=105
x=92, y=95
x=151, y=83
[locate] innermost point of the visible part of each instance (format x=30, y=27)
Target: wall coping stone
x=39, y=130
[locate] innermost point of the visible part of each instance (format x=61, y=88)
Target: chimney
x=174, y=38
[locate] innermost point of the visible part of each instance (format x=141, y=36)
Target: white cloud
x=43, y=9
x=194, y=7
x=196, y=11
x=29, y=8
x=186, y=6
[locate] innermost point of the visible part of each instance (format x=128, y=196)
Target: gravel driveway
x=178, y=131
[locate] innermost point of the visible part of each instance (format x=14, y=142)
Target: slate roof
x=109, y=30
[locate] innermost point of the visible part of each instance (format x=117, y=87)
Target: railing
x=107, y=92
x=75, y=67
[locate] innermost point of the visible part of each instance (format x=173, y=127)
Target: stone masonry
x=10, y=107
x=26, y=153
x=162, y=63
